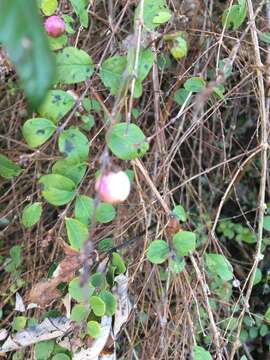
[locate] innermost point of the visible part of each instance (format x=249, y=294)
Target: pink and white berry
x=113, y=187
x=55, y=26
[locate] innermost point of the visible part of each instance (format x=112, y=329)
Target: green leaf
x=110, y=302
x=31, y=214
x=127, y=142
x=22, y=34
x=264, y=330
x=105, y=244
x=146, y=60
x=194, y=84
x=218, y=265
x=74, y=144
x=15, y=254
x=265, y=37
x=58, y=190
x=266, y=223
x=112, y=73
x=77, y=233
x=181, y=95
x=233, y=18
x=8, y=169
x=73, y=66
x=162, y=17
x=155, y=12
x=80, y=8
x=79, y=312
x=184, y=242
x=105, y=213
x=98, y=280
x=56, y=105
x=267, y=315
x=70, y=169
x=61, y=356
x=180, y=213
x=97, y=305
x=49, y=7
x=93, y=329
x=88, y=121
x=118, y=262
x=177, y=264
x=180, y=48
x=69, y=22
x=200, y=353
x=84, y=209
x=76, y=291
x=44, y=349
x=158, y=251
x=258, y=277
x=19, y=323
x=37, y=131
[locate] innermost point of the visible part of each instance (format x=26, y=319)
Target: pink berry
x=55, y=26
x=113, y=187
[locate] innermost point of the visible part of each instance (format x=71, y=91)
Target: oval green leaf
x=110, y=302
x=31, y=214
x=93, y=329
x=158, y=251
x=74, y=144
x=8, y=169
x=57, y=189
x=184, y=242
x=127, y=142
x=77, y=233
x=37, y=131
x=97, y=305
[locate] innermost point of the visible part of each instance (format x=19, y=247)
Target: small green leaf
x=105, y=244
x=154, y=13
x=258, y=277
x=73, y=66
x=8, y=169
x=110, y=302
x=16, y=258
x=97, y=305
x=265, y=37
x=162, y=17
x=84, y=209
x=184, y=242
x=74, y=144
x=105, y=213
x=27, y=46
x=98, y=280
x=57, y=189
x=44, y=349
x=200, y=353
x=181, y=96
x=69, y=22
x=127, y=142
x=180, y=48
x=19, y=323
x=267, y=315
x=111, y=73
x=88, y=121
x=266, y=223
x=76, y=291
x=79, y=312
x=80, y=8
x=77, y=233
x=70, y=169
x=49, y=7
x=93, y=329
x=158, y=251
x=177, y=264
x=217, y=264
x=61, y=356
x=56, y=105
x=146, y=60
x=194, y=84
x=234, y=16
x=37, y=131
x=31, y=214
x=180, y=213
x=264, y=330
x=119, y=263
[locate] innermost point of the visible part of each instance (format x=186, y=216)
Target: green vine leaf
x=73, y=66
x=57, y=189
x=127, y=142
x=74, y=144
x=37, y=131
x=31, y=214
x=77, y=233
x=8, y=169
x=218, y=265
x=158, y=251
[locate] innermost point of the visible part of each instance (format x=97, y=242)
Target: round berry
x=55, y=26
x=113, y=187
